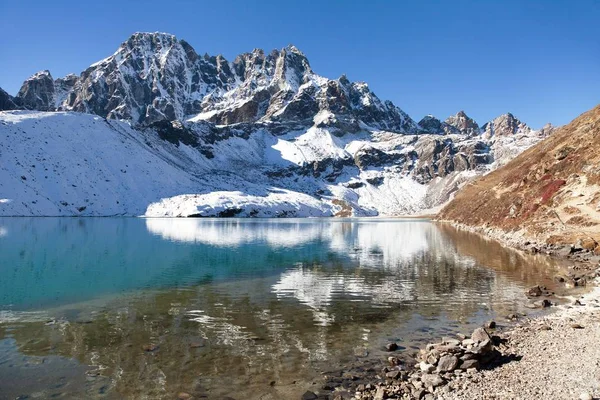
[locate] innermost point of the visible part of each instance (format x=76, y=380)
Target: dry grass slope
x=550, y=193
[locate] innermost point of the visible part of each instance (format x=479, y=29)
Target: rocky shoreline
x=551, y=356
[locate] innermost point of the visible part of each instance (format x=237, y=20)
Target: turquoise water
x=251, y=302
x=53, y=261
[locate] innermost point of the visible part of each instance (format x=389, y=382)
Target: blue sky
x=539, y=60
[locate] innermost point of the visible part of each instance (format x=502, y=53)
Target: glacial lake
x=148, y=308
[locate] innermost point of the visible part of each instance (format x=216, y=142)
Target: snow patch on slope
x=76, y=164
x=277, y=203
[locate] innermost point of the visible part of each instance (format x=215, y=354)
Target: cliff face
x=550, y=193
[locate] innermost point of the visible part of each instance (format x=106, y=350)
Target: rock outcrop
x=37, y=92
x=7, y=102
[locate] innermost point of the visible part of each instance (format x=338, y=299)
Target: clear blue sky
x=537, y=59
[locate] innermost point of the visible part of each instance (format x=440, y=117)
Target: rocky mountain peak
x=462, y=124
x=547, y=130
x=430, y=125
x=37, y=92
x=293, y=49
x=292, y=66
x=343, y=79
x=150, y=77
x=505, y=125
x=150, y=38
x=41, y=75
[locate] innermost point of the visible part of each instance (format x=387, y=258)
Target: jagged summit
x=459, y=124
x=505, y=125
x=154, y=76
x=37, y=92
x=463, y=124
x=152, y=36
x=293, y=49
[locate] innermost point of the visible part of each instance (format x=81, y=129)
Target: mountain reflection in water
x=245, y=302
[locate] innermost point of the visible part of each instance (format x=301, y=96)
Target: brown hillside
x=550, y=193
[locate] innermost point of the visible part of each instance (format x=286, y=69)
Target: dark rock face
x=372, y=157
x=432, y=125
x=7, y=102
x=327, y=168
x=63, y=88
x=37, y=92
x=440, y=157
x=175, y=133
x=459, y=124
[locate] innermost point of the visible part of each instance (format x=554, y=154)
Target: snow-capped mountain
x=262, y=135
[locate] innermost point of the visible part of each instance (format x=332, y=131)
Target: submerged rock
x=534, y=291
x=391, y=347
x=543, y=303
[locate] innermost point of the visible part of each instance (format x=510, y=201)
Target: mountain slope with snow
x=157, y=129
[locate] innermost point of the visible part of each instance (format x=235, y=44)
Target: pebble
x=545, y=328
x=308, y=395
x=426, y=367
x=381, y=393
x=543, y=303
x=431, y=380
x=585, y=396
x=150, y=347
x=393, y=374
